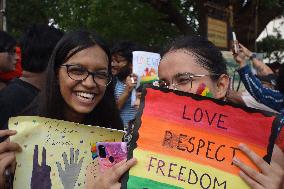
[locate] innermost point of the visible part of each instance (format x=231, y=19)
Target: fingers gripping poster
x=188, y=141
x=56, y=154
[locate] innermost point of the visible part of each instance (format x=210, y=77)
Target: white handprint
x=70, y=175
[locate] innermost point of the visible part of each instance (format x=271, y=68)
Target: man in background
x=36, y=44
x=8, y=56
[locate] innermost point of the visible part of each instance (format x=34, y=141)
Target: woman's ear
x=222, y=86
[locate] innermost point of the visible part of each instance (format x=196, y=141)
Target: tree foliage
x=273, y=47
x=148, y=22
x=113, y=19
x=21, y=14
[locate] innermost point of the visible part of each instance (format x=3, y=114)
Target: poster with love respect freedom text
x=184, y=140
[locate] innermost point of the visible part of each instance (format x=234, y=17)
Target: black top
x=14, y=99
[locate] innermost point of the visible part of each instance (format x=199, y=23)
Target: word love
x=197, y=115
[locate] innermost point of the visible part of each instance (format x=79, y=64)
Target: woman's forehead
x=92, y=51
x=90, y=57
x=180, y=61
x=179, y=56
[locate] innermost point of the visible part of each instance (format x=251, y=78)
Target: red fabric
x=18, y=70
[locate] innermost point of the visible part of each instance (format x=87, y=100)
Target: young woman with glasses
x=188, y=64
x=192, y=62
x=78, y=89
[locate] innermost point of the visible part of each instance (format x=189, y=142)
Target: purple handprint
x=41, y=173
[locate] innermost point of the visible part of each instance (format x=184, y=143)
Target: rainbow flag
x=203, y=90
x=183, y=140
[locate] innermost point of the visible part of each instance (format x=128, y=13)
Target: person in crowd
x=261, y=68
x=125, y=81
x=36, y=44
x=78, y=88
x=267, y=96
x=200, y=57
x=210, y=69
x=8, y=57
x=186, y=64
x=244, y=97
x=274, y=66
x=8, y=76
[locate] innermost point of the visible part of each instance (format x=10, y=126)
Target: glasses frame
x=191, y=79
x=93, y=74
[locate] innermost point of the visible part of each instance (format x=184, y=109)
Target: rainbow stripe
x=94, y=151
x=177, y=150
x=203, y=90
x=148, y=79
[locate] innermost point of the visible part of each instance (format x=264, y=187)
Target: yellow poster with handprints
x=55, y=153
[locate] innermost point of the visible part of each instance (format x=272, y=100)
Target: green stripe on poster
x=143, y=183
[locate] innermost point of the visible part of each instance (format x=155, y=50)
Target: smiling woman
x=82, y=89
x=78, y=86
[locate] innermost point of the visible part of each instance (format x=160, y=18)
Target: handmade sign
x=145, y=66
x=183, y=140
x=56, y=154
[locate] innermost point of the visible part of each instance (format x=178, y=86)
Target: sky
x=270, y=28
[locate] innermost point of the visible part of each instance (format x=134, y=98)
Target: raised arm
x=261, y=68
x=269, y=97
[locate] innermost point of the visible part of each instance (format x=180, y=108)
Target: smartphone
x=235, y=44
x=111, y=153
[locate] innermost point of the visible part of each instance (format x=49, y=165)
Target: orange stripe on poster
x=187, y=143
x=207, y=114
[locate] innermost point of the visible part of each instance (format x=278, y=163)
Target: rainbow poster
x=183, y=140
x=145, y=66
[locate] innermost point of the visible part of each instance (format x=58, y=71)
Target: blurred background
x=258, y=24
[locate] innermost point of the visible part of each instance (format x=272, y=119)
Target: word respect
x=199, y=147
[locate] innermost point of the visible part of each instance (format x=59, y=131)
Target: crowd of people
x=76, y=77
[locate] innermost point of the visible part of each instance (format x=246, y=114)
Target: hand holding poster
x=188, y=141
x=145, y=66
x=56, y=154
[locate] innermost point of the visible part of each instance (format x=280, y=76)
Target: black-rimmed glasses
x=182, y=79
x=80, y=73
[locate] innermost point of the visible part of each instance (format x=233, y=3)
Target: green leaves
x=113, y=19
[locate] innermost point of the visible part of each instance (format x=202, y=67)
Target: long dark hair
x=51, y=102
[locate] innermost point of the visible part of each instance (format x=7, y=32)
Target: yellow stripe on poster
x=182, y=173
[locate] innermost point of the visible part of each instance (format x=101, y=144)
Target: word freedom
x=184, y=174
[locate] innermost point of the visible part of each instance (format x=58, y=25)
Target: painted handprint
x=41, y=173
x=70, y=175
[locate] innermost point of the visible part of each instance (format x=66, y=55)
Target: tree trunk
x=173, y=15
